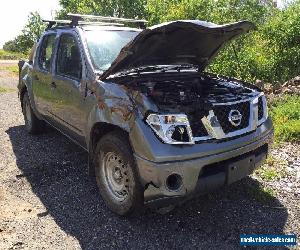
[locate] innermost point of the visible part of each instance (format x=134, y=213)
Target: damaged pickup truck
x=158, y=129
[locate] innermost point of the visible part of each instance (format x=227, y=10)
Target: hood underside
x=174, y=43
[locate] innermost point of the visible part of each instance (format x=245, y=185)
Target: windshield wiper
x=160, y=68
x=180, y=67
x=157, y=68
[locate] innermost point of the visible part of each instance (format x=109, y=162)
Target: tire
x=32, y=123
x=116, y=174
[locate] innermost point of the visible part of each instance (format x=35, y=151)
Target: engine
x=194, y=93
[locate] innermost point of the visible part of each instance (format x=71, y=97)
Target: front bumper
x=218, y=164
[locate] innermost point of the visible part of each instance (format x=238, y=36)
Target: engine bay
x=193, y=93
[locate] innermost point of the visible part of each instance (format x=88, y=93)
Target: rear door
x=42, y=75
x=68, y=108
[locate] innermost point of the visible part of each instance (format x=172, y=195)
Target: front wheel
x=32, y=123
x=116, y=174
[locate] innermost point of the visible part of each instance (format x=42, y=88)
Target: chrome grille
x=253, y=113
x=222, y=113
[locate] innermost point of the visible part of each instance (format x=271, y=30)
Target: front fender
x=112, y=105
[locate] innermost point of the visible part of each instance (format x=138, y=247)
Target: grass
x=9, y=55
x=13, y=69
x=285, y=113
x=5, y=90
x=273, y=169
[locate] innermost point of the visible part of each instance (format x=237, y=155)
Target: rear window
x=104, y=46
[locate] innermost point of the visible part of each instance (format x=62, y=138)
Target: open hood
x=179, y=42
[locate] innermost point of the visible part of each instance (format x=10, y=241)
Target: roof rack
x=51, y=23
x=54, y=22
x=78, y=17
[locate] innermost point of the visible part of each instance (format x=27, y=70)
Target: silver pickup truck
x=158, y=129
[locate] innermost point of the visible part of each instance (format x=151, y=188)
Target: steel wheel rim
x=115, y=176
x=28, y=119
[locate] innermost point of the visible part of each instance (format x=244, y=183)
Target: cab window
x=46, y=52
x=68, y=57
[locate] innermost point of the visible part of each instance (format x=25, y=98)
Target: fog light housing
x=174, y=182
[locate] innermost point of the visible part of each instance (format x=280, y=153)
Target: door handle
x=53, y=85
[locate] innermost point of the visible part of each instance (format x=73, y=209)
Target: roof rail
x=78, y=17
x=51, y=23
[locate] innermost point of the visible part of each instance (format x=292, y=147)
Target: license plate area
x=239, y=169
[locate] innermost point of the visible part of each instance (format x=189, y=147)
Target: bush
x=9, y=55
x=271, y=53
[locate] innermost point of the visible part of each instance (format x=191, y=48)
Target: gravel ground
x=47, y=200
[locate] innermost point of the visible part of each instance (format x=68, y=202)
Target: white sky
x=14, y=13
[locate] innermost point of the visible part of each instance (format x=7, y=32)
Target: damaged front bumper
x=219, y=163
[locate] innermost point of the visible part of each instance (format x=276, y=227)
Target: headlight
x=262, y=108
x=265, y=104
x=171, y=129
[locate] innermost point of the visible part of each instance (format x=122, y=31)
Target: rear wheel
x=32, y=123
x=116, y=174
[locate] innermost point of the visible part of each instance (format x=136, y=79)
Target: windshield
x=105, y=45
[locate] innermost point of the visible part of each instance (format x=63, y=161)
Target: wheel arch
x=98, y=130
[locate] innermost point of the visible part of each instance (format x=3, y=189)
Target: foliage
x=119, y=8
x=10, y=45
x=221, y=11
x=271, y=53
x=285, y=113
x=281, y=35
x=29, y=35
x=9, y=55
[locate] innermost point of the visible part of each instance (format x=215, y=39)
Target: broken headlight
x=171, y=129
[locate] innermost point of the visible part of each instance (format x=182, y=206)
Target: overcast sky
x=14, y=13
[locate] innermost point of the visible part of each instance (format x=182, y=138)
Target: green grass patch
x=13, y=69
x=273, y=169
x=5, y=90
x=9, y=55
x=285, y=113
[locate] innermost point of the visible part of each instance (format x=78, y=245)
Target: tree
x=221, y=11
x=281, y=37
x=239, y=58
x=117, y=8
x=10, y=46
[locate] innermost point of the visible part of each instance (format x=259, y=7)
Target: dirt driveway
x=47, y=200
